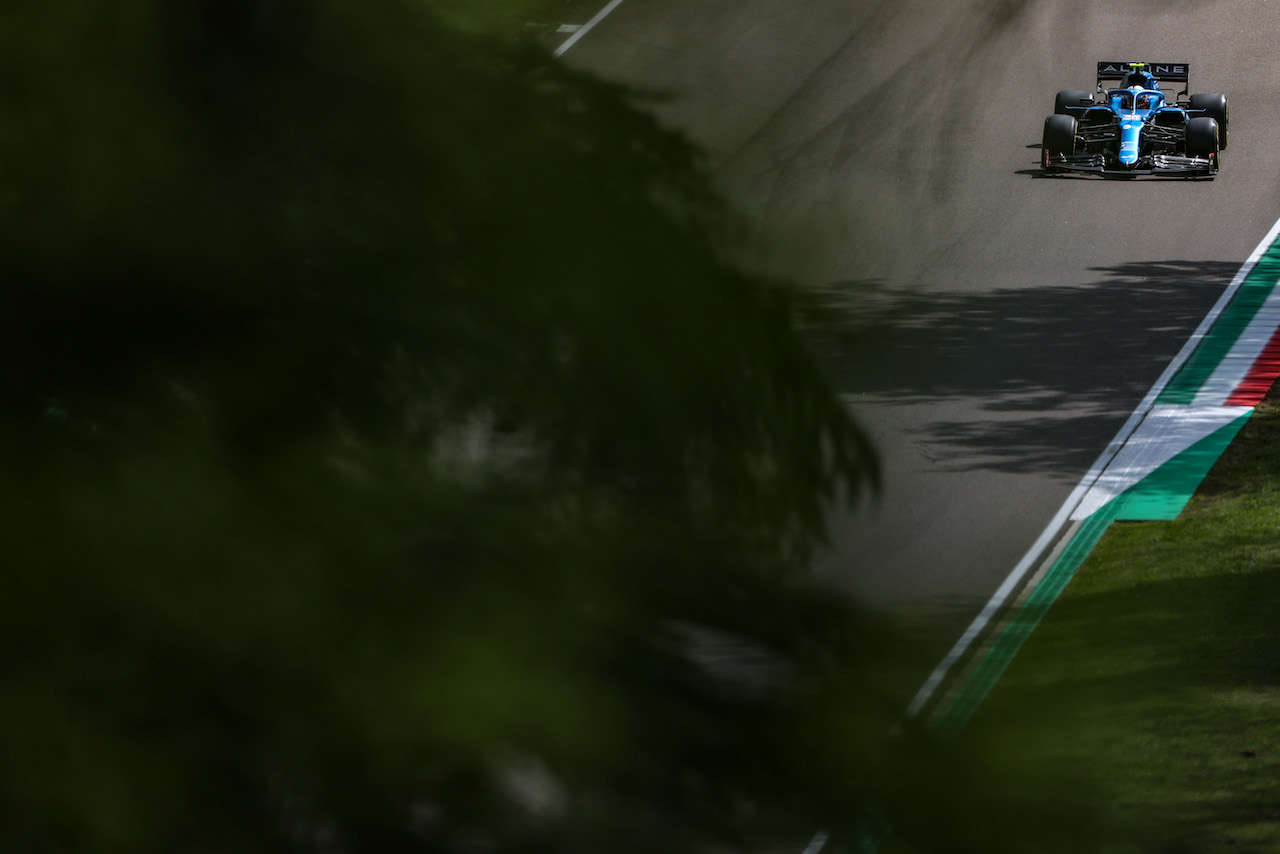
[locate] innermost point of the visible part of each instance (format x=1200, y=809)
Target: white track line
x=817, y=844
x=1063, y=516
x=1006, y=589
x=600, y=16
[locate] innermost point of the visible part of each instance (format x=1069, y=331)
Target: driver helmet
x=1144, y=101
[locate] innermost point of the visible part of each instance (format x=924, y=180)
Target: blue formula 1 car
x=1133, y=130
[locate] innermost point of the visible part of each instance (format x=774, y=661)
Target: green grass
x=1154, y=682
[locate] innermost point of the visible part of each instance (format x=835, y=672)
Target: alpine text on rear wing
x=1174, y=72
x=1164, y=72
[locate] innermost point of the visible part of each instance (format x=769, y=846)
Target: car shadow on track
x=1049, y=373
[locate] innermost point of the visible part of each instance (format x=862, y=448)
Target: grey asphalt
x=1002, y=325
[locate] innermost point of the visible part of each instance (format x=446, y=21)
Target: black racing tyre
x=1215, y=107
x=1071, y=97
x=1059, y=135
x=1202, y=137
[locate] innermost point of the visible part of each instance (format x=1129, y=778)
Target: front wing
x=1154, y=164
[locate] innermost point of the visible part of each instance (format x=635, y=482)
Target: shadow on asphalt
x=1052, y=372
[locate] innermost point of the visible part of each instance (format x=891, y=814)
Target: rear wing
x=1165, y=72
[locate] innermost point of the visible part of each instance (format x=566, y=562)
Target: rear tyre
x=1215, y=107
x=1202, y=138
x=1059, y=138
x=1072, y=98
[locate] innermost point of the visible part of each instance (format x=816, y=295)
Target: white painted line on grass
x=819, y=842
x=1166, y=432
x=586, y=28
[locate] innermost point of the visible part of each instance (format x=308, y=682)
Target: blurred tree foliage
x=391, y=462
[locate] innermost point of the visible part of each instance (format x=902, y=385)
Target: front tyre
x=1215, y=107
x=1202, y=139
x=1059, y=139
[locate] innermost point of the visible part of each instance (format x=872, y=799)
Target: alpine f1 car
x=1133, y=130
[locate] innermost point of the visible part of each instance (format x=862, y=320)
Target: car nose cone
x=1130, y=130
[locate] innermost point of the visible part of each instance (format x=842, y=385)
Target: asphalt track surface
x=1002, y=324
